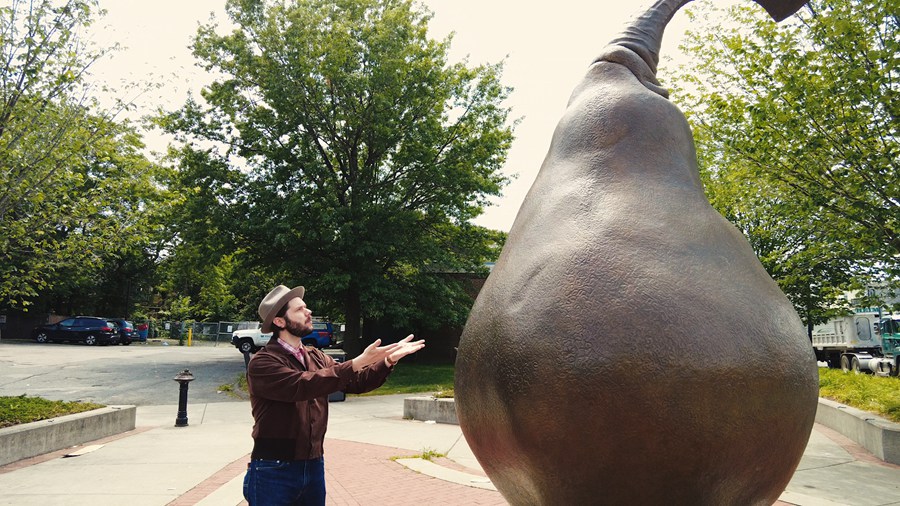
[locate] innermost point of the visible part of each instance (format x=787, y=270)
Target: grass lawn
x=417, y=378
x=22, y=409
x=406, y=379
x=867, y=392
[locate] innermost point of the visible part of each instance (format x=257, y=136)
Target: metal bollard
x=183, y=378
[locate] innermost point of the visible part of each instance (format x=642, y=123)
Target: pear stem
x=644, y=34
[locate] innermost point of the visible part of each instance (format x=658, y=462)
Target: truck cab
x=251, y=340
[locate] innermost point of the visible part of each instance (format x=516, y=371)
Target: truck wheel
x=854, y=365
x=247, y=346
x=845, y=363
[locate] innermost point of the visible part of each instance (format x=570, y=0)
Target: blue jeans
x=285, y=483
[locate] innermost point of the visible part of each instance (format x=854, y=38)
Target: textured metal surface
x=628, y=347
x=781, y=9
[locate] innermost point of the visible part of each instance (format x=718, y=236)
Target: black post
x=181, y=420
x=183, y=378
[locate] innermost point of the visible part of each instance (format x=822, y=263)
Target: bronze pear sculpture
x=628, y=346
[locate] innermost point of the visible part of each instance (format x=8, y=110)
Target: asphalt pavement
x=140, y=374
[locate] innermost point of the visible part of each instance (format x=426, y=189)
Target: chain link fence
x=207, y=333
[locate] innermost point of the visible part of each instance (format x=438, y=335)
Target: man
x=289, y=387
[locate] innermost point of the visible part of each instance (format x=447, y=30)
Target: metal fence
x=207, y=332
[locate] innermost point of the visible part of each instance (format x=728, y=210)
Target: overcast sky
x=547, y=50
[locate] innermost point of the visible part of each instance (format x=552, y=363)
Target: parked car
x=90, y=330
x=127, y=332
x=322, y=335
x=251, y=340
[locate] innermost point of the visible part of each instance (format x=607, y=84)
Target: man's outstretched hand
x=391, y=353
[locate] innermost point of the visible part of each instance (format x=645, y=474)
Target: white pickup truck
x=251, y=340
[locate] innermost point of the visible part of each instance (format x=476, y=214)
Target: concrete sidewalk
x=158, y=464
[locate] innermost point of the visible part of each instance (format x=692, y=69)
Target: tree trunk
x=353, y=344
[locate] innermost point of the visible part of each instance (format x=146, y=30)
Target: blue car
x=90, y=330
x=127, y=333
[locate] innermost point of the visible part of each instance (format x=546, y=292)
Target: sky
x=547, y=50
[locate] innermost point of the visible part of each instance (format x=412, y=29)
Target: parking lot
x=141, y=374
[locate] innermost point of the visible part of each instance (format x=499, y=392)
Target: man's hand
x=405, y=347
x=390, y=353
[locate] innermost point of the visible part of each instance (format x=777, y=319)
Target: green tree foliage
x=74, y=186
x=797, y=132
x=348, y=153
x=216, y=295
x=811, y=269
x=202, y=244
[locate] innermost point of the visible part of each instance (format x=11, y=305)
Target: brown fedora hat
x=274, y=301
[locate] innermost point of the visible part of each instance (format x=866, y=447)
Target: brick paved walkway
x=359, y=474
x=363, y=474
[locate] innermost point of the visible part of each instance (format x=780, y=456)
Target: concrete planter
x=31, y=439
x=876, y=434
x=430, y=409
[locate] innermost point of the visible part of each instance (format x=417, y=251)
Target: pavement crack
x=836, y=464
x=454, y=444
x=18, y=380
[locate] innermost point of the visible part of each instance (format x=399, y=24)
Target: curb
x=31, y=439
x=876, y=434
x=429, y=468
x=430, y=409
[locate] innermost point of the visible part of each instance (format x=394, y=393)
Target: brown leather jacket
x=290, y=402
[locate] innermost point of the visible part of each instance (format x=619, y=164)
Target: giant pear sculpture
x=628, y=347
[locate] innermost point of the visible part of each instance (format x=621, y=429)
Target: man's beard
x=296, y=328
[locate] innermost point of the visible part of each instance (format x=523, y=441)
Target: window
x=863, y=329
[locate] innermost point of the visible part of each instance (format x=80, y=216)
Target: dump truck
x=865, y=342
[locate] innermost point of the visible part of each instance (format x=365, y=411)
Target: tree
x=202, y=247
x=805, y=116
x=74, y=187
x=364, y=154
x=810, y=269
x=124, y=234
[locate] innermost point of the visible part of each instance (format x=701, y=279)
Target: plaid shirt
x=299, y=353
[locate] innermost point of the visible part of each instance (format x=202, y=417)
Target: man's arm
x=376, y=362
x=390, y=354
x=270, y=378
